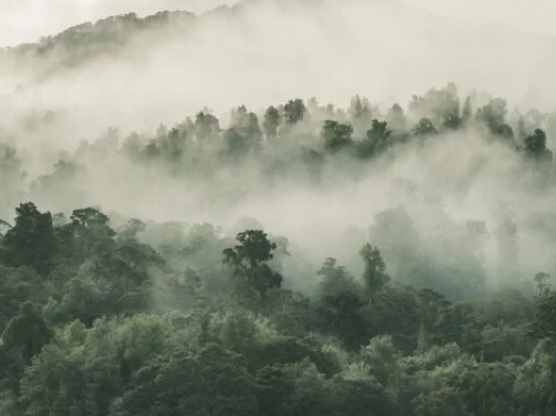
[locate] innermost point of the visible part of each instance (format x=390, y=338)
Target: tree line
x=151, y=319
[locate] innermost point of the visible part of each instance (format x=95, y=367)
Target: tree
x=544, y=324
x=374, y=275
x=247, y=124
x=339, y=309
x=396, y=118
x=31, y=241
x=244, y=133
x=207, y=126
x=18, y=286
x=169, y=145
x=440, y=105
x=542, y=283
x=272, y=119
x=23, y=338
x=492, y=115
x=360, y=115
x=378, y=140
x=255, y=248
x=211, y=382
x=359, y=109
x=236, y=143
x=88, y=234
x=127, y=234
x=84, y=371
x=535, y=146
x=248, y=260
x=336, y=136
x=424, y=128
x=466, y=112
x=294, y=111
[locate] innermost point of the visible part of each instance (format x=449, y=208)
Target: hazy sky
x=534, y=16
x=27, y=20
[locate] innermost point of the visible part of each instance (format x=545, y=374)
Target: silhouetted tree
x=31, y=241
x=535, y=146
x=272, y=119
x=378, y=140
x=294, y=111
x=23, y=338
x=249, y=259
x=424, y=128
x=207, y=126
x=374, y=275
x=336, y=136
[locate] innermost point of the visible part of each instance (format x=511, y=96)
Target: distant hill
x=80, y=43
x=129, y=68
x=109, y=36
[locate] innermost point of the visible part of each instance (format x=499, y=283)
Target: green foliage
x=378, y=140
x=254, y=249
x=31, y=241
x=93, y=343
x=247, y=124
x=23, y=338
x=17, y=286
x=535, y=145
x=210, y=382
x=253, y=277
x=294, y=111
x=492, y=115
x=374, y=275
x=114, y=317
x=272, y=119
x=339, y=310
x=336, y=136
x=206, y=126
x=424, y=128
x=440, y=106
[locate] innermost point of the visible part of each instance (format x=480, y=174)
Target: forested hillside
x=430, y=312
x=86, y=42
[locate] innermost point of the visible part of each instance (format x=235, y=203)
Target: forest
x=420, y=312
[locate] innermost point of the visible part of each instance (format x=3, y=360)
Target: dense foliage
x=97, y=322
x=105, y=316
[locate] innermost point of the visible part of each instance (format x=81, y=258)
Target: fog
x=266, y=52
x=28, y=20
x=525, y=16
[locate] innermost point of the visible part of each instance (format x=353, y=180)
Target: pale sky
x=28, y=20
x=533, y=16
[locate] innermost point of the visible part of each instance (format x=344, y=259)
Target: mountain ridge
x=118, y=30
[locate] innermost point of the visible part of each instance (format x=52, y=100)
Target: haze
x=27, y=20
x=267, y=52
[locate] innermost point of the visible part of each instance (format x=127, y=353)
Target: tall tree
x=535, y=146
x=23, y=338
x=374, y=275
x=336, y=136
x=378, y=140
x=207, y=126
x=249, y=261
x=294, y=111
x=247, y=124
x=272, y=119
x=31, y=241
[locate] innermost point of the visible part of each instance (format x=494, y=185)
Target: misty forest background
x=417, y=300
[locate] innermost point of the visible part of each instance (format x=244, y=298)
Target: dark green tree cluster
x=168, y=319
x=301, y=136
